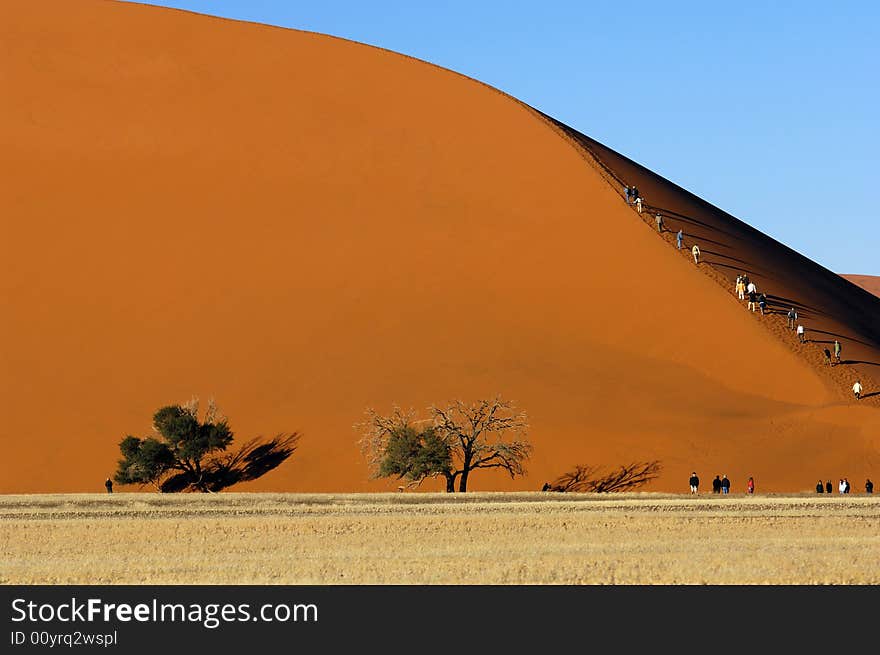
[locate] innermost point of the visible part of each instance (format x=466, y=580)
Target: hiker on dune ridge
x=753, y=300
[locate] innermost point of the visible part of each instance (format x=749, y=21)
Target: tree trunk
x=450, y=483
x=462, y=485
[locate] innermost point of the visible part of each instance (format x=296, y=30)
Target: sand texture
x=867, y=282
x=304, y=227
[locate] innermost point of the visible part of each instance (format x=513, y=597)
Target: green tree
x=190, y=454
x=415, y=455
x=454, y=441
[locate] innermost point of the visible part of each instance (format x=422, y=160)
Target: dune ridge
x=303, y=227
x=870, y=283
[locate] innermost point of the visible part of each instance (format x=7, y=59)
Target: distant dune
x=867, y=282
x=304, y=227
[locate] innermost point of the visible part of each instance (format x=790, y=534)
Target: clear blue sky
x=768, y=110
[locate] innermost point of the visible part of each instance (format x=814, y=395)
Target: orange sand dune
x=304, y=227
x=867, y=282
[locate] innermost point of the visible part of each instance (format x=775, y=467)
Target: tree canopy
x=190, y=454
x=455, y=440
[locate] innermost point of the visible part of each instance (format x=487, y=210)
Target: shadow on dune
x=842, y=336
x=789, y=302
x=671, y=213
x=839, y=304
x=719, y=254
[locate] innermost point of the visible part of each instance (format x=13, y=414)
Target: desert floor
x=422, y=538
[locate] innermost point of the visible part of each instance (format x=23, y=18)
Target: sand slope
x=303, y=227
x=867, y=282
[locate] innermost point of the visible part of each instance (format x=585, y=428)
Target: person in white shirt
x=800, y=333
x=857, y=389
x=841, y=486
x=752, y=288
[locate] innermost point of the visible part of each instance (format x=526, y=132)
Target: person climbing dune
x=753, y=300
x=837, y=351
x=679, y=238
x=857, y=390
x=695, y=251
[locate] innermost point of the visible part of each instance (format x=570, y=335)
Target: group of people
x=633, y=197
x=842, y=486
x=744, y=287
x=827, y=354
x=720, y=485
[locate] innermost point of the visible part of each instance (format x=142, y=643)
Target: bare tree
x=577, y=480
x=591, y=479
x=457, y=439
x=483, y=435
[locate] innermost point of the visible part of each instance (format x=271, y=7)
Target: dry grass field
x=416, y=538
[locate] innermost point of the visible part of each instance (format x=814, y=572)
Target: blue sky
x=768, y=110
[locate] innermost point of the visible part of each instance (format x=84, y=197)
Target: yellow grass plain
x=426, y=538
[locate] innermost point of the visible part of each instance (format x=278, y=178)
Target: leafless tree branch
x=627, y=477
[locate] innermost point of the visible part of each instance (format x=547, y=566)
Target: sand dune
x=304, y=227
x=867, y=282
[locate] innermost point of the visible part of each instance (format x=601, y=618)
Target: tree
x=415, y=454
x=454, y=441
x=585, y=478
x=189, y=454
